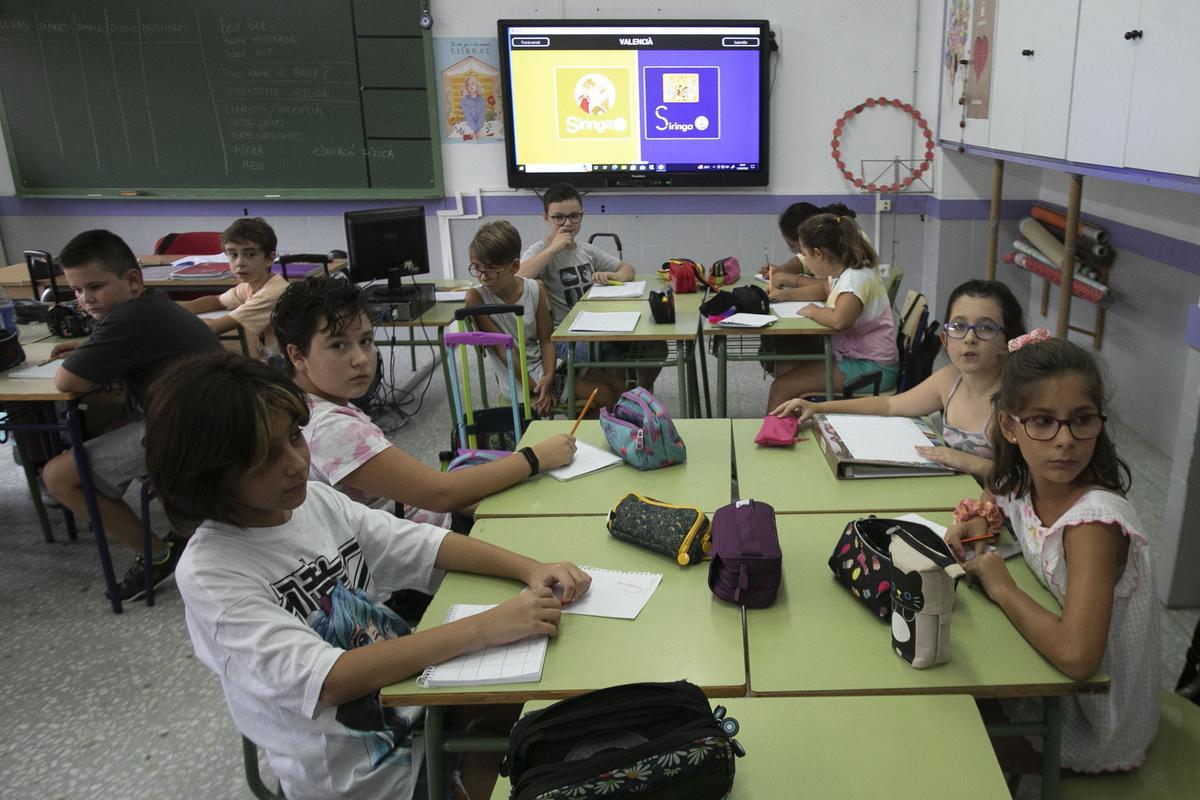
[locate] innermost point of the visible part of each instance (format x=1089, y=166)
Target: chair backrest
x=192, y=243
x=44, y=267
x=917, y=341
x=892, y=284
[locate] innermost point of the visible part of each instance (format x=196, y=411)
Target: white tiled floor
x=103, y=706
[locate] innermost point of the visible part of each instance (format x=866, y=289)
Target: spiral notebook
x=515, y=662
x=616, y=594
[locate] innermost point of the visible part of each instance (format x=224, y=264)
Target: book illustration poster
x=469, y=100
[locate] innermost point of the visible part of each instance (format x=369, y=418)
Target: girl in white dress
x=1058, y=479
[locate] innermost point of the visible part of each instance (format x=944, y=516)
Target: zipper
x=683, y=558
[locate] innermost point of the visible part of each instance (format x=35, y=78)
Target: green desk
x=799, y=480
x=683, y=632
x=702, y=481
x=652, y=345
x=838, y=647
x=823, y=745
x=741, y=344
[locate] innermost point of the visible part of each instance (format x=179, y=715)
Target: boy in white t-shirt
x=283, y=579
x=249, y=243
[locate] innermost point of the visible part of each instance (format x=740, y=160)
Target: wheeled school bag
x=658, y=741
x=747, y=564
x=486, y=432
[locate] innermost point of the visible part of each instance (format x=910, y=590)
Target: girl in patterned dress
x=1058, y=479
x=981, y=316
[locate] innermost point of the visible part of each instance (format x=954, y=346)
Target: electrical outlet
x=884, y=206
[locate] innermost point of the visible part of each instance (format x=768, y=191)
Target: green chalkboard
x=219, y=98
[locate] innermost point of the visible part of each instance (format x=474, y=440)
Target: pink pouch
x=778, y=431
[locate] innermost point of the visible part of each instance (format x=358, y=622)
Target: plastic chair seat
x=1172, y=767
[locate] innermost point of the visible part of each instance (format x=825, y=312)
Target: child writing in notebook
x=324, y=330
x=856, y=308
x=791, y=280
x=278, y=566
x=249, y=243
x=495, y=254
x=1059, y=481
x=981, y=316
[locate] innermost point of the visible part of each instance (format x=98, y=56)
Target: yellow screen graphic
x=579, y=106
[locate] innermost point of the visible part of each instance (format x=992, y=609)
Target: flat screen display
x=381, y=240
x=629, y=103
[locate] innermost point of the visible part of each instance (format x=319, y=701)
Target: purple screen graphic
x=726, y=93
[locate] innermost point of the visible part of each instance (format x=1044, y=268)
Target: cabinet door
x=1052, y=29
x=1102, y=83
x=1164, y=107
x=1010, y=74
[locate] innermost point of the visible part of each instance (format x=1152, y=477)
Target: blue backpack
x=639, y=430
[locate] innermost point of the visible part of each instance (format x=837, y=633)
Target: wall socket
x=883, y=206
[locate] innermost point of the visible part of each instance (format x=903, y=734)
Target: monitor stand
x=396, y=302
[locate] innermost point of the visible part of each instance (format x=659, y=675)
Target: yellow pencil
x=615, y=282
x=583, y=413
x=48, y=360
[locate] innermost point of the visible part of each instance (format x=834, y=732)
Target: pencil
x=615, y=282
x=49, y=360
x=978, y=538
x=583, y=413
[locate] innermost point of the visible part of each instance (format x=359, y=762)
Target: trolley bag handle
x=486, y=309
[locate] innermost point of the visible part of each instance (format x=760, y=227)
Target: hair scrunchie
x=1034, y=336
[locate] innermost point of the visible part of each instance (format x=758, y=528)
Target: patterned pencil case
x=682, y=532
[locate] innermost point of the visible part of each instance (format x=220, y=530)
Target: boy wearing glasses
x=494, y=253
x=567, y=268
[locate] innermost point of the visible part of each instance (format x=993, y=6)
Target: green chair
x=1172, y=766
x=892, y=284
x=253, y=776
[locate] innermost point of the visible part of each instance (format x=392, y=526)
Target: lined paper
x=606, y=321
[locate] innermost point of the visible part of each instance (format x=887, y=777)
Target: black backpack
x=658, y=741
x=746, y=299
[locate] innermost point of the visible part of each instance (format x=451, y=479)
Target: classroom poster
x=958, y=27
x=978, y=88
x=469, y=99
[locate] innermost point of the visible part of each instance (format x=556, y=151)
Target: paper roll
x=1086, y=289
x=1058, y=221
x=1042, y=239
x=1022, y=246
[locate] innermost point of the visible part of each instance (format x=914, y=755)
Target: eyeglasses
x=560, y=219
x=479, y=270
x=983, y=330
x=1043, y=428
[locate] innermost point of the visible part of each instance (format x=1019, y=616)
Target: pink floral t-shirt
x=340, y=440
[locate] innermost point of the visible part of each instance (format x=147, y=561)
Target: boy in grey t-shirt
x=567, y=267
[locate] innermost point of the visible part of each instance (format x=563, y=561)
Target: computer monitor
x=386, y=244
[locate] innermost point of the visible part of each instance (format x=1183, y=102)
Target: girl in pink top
x=857, y=309
x=1058, y=479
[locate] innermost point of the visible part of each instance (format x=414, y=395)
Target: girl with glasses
x=1059, y=481
x=980, y=318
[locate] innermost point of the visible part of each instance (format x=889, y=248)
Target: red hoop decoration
x=839, y=128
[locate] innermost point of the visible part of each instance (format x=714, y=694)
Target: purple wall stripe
x=1193, y=327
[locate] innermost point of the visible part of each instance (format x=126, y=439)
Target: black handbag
x=11, y=352
x=658, y=741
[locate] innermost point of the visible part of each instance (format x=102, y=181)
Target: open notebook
x=587, y=459
x=515, y=662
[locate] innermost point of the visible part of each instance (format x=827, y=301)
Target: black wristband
x=531, y=457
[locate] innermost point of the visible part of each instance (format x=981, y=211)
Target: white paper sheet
x=450, y=297
x=745, y=320
x=213, y=314
x=35, y=371
x=628, y=290
x=606, y=321
x=587, y=459
x=187, y=261
x=760, y=276
x=792, y=308
x=881, y=438
x=616, y=594
x=515, y=662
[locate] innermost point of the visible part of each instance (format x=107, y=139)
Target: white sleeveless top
x=529, y=299
x=1101, y=732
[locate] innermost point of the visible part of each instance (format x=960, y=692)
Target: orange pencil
x=979, y=538
x=583, y=413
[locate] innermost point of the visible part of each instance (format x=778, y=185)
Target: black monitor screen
x=384, y=239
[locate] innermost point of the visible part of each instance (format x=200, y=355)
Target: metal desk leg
x=570, y=380
x=685, y=405
x=702, y=357
x=828, y=367
x=51, y=437
x=35, y=491
x=445, y=359
x=89, y=497
x=693, y=384
x=412, y=347
x=1051, y=746
x=435, y=755
x=720, y=376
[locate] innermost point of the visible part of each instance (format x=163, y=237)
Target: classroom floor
x=100, y=705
